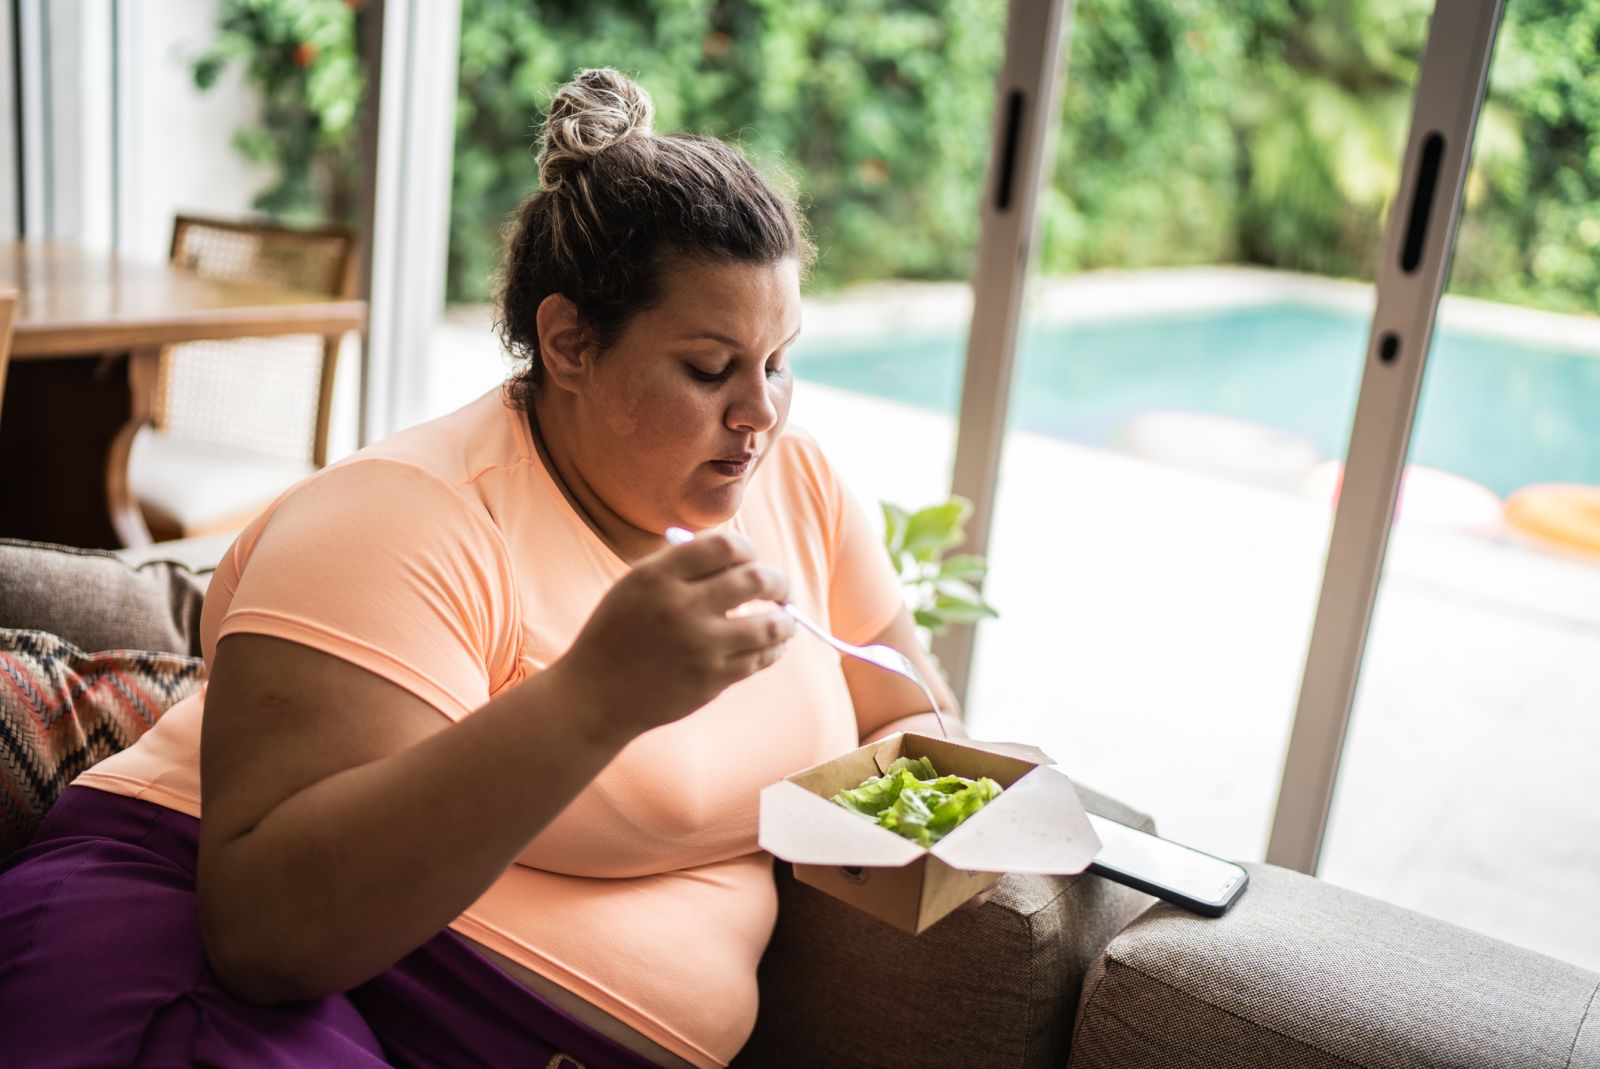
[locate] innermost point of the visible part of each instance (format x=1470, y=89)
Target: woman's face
x=672, y=421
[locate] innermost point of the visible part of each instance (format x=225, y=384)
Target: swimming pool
x=1500, y=412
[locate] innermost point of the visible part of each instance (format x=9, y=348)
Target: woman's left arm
x=885, y=702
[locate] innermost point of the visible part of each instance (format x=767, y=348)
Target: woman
x=481, y=754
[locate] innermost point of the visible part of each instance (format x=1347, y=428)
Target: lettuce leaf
x=913, y=800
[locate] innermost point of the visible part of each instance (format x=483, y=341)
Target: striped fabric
x=62, y=709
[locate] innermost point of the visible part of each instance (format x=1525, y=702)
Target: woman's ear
x=565, y=344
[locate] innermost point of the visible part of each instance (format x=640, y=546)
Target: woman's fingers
x=740, y=647
x=753, y=661
x=724, y=565
x=707, y=555
x=749, y=581
x=721, y=569
x=745, y=635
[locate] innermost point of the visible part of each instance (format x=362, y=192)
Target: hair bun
x=597, y=109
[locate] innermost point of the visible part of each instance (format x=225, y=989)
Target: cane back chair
x=236, y=422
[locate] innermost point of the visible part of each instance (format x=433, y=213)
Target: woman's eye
x=701, y=375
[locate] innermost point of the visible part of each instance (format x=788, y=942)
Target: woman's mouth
x=733, y=467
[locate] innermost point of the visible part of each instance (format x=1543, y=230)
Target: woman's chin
x=711, y=509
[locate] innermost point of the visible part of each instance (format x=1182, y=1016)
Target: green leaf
x=894, y=531
x=962, y=610
x=911, y=799
x=936, y=528
x=206, y=71
x=963, y=566
x=958, y=805
x=958, y=590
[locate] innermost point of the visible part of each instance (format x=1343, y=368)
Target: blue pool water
x=1502, y=413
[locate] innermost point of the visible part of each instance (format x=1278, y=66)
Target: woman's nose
x=754, y=408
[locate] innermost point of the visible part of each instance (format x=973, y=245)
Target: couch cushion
x=199, y=554
x=1301, y=972
x=96, y=601
x=62, y=709
x=993, y=986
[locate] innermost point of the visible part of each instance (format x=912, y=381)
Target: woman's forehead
x=719, y=298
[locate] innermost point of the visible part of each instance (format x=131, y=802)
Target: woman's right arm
x=346, y=821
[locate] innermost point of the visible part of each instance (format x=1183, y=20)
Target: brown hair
x=617, y=204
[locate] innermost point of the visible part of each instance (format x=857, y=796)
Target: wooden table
x=84, y=353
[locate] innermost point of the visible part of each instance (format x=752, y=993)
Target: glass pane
x=1184, y=393
x=878, y=114
x=243, y=116
x=1467, y=784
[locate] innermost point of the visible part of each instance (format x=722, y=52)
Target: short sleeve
x=863, y=591
x=384, y=565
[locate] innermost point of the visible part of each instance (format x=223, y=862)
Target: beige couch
x=1052, y=971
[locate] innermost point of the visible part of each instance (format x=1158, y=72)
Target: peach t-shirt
x=446, y=560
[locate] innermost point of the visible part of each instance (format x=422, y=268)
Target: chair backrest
x=8, y=309
x=265, y=395
x=317, y=261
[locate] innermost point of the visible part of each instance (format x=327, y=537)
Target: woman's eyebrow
x=729, y=342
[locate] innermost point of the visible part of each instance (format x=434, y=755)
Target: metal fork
x=883, y=656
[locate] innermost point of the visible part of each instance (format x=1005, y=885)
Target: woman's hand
x=661, y=644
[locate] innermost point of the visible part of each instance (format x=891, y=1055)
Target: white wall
x=81, y=137
x=114, y=136
x=177, y=142
x=9, y=176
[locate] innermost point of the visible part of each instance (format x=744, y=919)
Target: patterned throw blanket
x=62, y=710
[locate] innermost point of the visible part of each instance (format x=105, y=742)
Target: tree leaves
x=1267, y=131
x=301, y=56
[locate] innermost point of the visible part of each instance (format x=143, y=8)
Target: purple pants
x=102, y=964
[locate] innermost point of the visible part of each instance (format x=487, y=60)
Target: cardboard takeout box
x=1036, y=825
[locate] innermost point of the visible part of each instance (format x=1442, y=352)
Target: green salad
x=913, y=800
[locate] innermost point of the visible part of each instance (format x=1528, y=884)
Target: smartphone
x=1173, y=873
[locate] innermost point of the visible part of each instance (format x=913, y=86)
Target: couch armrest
x=993, y=986
x=1304, y=973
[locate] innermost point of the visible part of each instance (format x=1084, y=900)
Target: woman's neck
x=550, y=424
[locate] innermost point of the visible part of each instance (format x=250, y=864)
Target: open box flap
x=1036, y=825
x=801, y=827
x=848, y=770
x=1013, y=749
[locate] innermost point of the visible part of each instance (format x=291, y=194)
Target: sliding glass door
x=1183, y=397
x=1466, y=786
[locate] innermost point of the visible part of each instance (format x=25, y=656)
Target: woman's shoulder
x=797, y=453
x=457, y=448
x=797, y=475
x=421, y=486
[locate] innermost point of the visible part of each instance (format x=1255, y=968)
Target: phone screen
x=1164, y=863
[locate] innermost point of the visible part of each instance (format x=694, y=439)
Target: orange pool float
x=1566, y=515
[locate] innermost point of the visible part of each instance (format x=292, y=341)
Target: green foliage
x=1531, y=231
x=1146, y=161
x=878, y=108
x=1264, y=131
x=1321, y=124
x=301, y=56
x=939, y=588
